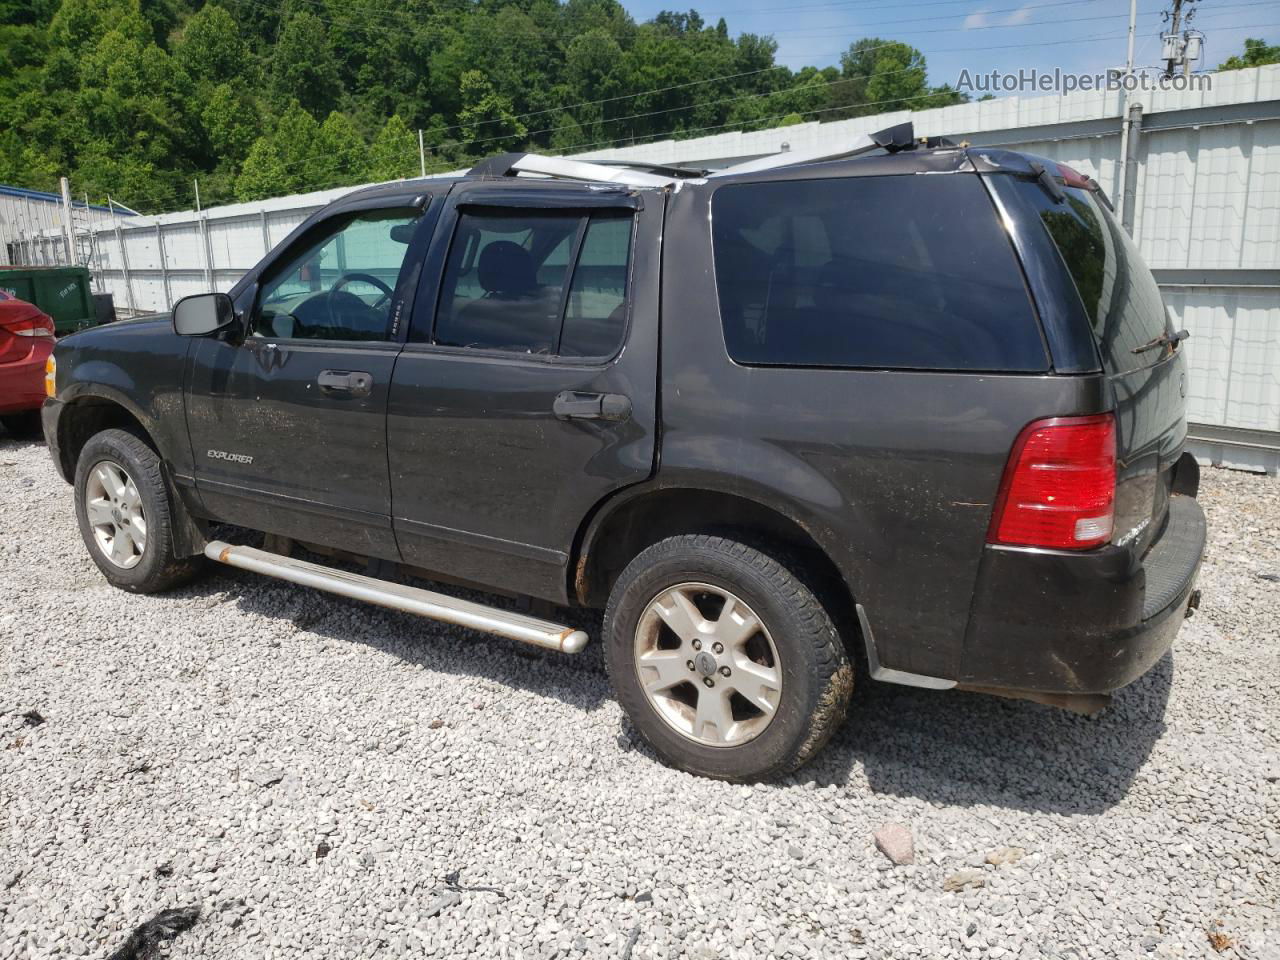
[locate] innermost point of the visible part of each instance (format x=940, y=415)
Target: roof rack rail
x=892, y=139
x=511, y=164
x=663, y=169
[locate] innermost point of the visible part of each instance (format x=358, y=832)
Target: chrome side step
x=397, y=596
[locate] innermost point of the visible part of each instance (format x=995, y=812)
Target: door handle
x=572, y=405
x=355, y=383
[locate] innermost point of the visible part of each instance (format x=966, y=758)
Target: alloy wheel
x=113, y=507
x=707, y=664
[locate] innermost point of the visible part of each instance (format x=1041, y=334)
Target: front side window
x=544, y=283
x=904, y=272
x=340, y=286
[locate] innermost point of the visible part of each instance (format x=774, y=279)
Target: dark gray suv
x=920, y=408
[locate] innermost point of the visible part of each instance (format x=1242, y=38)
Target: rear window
x=910, y=272
x=1119, y=294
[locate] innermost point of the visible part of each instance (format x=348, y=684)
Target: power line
x=693, y=83
x=824, y=85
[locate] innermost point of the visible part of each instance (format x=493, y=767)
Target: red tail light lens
x=38, y=325
x=1059, y=486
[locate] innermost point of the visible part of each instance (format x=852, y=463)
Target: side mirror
x=203, y=314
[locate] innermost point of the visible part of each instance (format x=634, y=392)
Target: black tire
x=157, y=568
x=817, y=678
x=24, y=425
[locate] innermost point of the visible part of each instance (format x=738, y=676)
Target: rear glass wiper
x=1170, y=337
x=1046, y=180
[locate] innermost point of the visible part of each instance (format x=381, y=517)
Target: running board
x=397, y=596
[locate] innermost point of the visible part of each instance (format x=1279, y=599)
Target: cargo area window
x=1119, y=294
x=904, y=272
x=546, y=283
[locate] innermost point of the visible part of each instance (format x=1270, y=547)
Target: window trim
x=492, y=201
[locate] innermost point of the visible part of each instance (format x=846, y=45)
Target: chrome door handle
x=572, y=405
x=355, y=383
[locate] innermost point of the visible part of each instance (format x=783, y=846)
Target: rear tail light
x=1059, y=486
x=39, y=325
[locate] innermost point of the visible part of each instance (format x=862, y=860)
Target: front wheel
x=125, y=514
x=724, y=660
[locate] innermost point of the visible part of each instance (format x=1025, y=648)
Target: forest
x=256, y=98
x=137, y=99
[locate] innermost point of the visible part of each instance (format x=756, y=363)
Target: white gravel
x=206, y=746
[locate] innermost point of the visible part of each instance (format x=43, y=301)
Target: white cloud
x=1021, y=15
x=983, y=18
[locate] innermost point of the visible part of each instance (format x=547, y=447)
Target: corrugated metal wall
x=1207, y=220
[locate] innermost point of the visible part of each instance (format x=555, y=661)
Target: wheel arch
x=90, y=411
x=641, y=516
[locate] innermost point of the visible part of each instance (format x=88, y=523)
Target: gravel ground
x=325, y=779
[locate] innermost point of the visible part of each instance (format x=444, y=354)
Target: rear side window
x=1119, y=294
x=537, y=282
x=908, y=272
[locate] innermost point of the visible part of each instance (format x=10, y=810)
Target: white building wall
x=1207, y=217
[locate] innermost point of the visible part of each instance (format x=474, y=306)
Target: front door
x=288, y=426
x=527, y=392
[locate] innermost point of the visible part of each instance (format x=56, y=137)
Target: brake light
x=1059, y=486
x=38, y=325
x=1073, y=178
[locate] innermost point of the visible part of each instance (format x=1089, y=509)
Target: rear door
x=527, y=392
x=1127, y=318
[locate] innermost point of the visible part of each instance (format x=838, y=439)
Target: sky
x=1084, y=36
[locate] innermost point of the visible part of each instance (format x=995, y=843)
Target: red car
x=26, y=341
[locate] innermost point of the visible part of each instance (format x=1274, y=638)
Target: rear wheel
x=724, y=660
x=24, y=425
x=124, y=511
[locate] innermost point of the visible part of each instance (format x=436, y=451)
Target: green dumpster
x=61, y=292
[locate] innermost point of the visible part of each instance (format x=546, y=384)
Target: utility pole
x=1175, y=41
x=1126, y=116
x=422, y=155
x=68, y=228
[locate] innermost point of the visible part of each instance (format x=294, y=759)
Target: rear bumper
x=22, y=382
x=1062, y=622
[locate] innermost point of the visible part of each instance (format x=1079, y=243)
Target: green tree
x=341, y=155
x=210, y=47
x=487, y=121
x=229, y=120
x=303, y=67
x=1257, y=53
x=394, y=151
x=264, y=173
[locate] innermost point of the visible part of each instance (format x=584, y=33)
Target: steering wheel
x=368, y=278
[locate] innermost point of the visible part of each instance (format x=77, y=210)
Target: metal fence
x=1205, y=212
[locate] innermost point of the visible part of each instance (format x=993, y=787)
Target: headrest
x=507, y=269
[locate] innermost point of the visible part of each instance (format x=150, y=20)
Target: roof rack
x=640, y=174
x=511, y=164
x=892, y=139
x=663, y=169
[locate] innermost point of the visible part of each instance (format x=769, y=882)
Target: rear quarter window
x=1120, y=296
x=906, y=272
